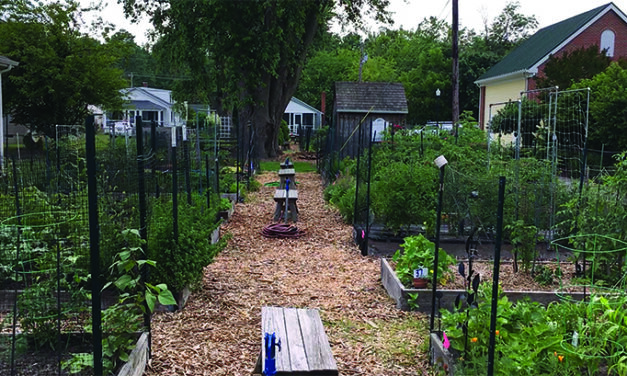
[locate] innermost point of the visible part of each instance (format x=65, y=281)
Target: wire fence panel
x=81, y=219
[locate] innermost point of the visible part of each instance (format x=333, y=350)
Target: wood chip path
x=218, y=332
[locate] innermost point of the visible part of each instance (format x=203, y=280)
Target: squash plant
x=418, y=252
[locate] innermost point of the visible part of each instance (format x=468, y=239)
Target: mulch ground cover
x=219, y=331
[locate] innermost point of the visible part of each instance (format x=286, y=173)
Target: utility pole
x=455, y=67
x=131, y=79
x=364, y=58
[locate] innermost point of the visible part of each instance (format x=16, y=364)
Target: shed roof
x=375, y=97
x=540, y=45
x=6, y=62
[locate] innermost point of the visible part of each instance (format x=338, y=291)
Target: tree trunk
x=270, y=99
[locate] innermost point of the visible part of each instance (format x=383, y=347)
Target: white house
x=6, y=65
x=298, y=113
x=150, y=104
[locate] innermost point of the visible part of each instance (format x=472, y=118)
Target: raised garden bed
x=226, y=214
x=138, y=358
x=401, y=294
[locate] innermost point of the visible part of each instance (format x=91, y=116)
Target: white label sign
x=421, y=273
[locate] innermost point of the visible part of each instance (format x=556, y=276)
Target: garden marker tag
x=421, y=273
x=575, y=339
x=445, y=341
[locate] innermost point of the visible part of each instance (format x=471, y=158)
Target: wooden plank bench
x=279, y=198
x=304, y=350
x=287, y=173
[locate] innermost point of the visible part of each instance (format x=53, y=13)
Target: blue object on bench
x=270, y=342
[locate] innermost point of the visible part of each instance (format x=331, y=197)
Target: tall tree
x=510, y=28
x=607, y=127
x=572, y=67
x=258, y=49
x=61, y=71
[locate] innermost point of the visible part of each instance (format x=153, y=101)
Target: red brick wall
x=592, y=36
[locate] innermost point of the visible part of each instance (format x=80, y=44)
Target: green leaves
x=61, y=71
x=418, y=252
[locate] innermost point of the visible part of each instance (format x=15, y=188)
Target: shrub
x=341, y=195
x=180, y=264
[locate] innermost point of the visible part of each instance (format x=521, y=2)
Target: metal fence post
x=495, y=275
x=94, y=243
x=175, y=188
x=143, y=227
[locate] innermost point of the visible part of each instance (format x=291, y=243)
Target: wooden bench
x=279, y=198
x=304, y=347
x=287, y=173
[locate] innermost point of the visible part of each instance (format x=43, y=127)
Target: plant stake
x=441, y=163
x=495, y=273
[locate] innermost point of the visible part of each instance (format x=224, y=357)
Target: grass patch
x=390, y=341
x=299, y=166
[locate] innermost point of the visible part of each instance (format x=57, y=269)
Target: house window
x=607, y=42
x=308, y=119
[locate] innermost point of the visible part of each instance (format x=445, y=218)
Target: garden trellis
x=77, y=209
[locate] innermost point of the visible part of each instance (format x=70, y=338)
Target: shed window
x=607, y=42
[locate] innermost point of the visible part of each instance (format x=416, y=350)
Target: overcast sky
x=409, y=13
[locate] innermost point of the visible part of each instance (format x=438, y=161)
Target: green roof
x=539, y=45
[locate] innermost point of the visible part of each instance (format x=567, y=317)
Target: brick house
x=604, y=26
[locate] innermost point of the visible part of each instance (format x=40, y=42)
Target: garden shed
x=6, y=65
x=375, y=106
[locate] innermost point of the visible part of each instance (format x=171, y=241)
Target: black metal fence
x=82, y=221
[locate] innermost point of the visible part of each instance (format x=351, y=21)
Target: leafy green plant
x=122, y=321
x=565, y=338
x=180, y=262
x=284, y=133
x=341, y=194
x=224, y=204
x=524, y=239
x=418, y=252
x=596, y=225
x=545, y=276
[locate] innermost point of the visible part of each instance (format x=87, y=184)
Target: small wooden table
x=287, y=173
x=305, y=349
x=281, y=204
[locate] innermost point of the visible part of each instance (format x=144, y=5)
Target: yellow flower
x=474, y=339
x=496, y=332
x=555, y=353
x=561, y=358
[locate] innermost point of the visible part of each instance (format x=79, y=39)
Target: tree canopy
x=607, y=127
x=573, y=66
x=251, y=52
x=61, y=70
